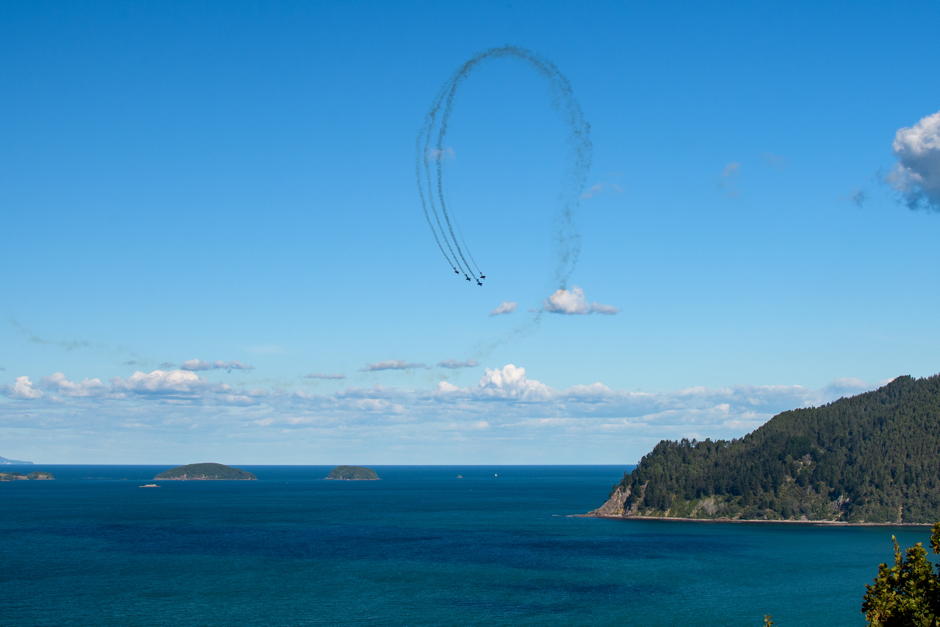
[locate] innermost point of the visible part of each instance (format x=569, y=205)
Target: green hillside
x=874, y=457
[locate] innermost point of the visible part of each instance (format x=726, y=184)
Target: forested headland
x=871, y=458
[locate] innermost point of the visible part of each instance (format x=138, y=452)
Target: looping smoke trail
x=431, y=189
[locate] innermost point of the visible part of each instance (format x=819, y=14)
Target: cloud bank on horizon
x=506, y=406
x=916, y=176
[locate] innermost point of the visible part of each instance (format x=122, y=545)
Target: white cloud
x=199, y=364
x=454, y=364
x=510, y=381
x=58, y=383
x=917, y=173
x=22, y=389
x=505, y=307
x=326, y=376
x=392, y=364
x=572, y=302
x=445, y=387
x=162, y=382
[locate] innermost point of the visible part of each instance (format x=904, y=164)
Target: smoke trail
x=567, y=240
x=452, y=243
x=427, y=216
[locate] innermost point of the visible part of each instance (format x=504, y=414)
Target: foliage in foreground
x=907, y=593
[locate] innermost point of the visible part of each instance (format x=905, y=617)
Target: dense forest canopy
x=874, y=457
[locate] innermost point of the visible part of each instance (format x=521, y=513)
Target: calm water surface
x=419, y=547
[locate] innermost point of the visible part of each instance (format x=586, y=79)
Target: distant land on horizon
x=353, y=473
x=208, y=471
x=872, y=458
x=33, y=476
x=9, y=462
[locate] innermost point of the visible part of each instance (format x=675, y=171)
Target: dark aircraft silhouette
x=466, y=277
x=480, y=284
x=482, y=276
x=456, y=271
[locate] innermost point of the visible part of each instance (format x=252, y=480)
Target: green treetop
x=906, y=594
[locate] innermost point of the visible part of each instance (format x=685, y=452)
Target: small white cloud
x=573, y=303
x=730, y=170
x=454, y=364
x=23, y=389
x=505, y=307
x=58, y=383
x=445, y=387
x=326, y=376
x=392, y=364
x=160, y=382
x=917, y=173
x=199, y=364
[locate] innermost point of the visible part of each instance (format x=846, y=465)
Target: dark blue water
x=418, y=547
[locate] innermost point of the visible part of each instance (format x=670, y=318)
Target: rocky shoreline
x=819, y=523
x=614, y=508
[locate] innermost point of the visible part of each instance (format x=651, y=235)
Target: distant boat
x=495, y=475
x=460, y=476
x=149, y=485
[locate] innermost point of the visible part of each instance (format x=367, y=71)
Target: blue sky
x=232, y=185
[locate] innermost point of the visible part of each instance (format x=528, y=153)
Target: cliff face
x=614, y=505
x=869, y=458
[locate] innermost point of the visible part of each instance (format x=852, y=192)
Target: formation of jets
x=479, y=279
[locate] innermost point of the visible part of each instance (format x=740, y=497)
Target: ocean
x=420, y=547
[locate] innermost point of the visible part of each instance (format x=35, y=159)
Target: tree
x=907, y=593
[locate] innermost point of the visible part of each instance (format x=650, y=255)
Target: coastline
x=819, y=523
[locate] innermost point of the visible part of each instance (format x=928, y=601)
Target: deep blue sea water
x=419, y=547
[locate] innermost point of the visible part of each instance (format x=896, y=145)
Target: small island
x=205, y=472
x=353, y=473
x=33, y=476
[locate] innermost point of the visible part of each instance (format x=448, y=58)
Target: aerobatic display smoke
x=431, y=152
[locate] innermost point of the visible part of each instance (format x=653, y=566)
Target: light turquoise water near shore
x=419, y=547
